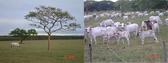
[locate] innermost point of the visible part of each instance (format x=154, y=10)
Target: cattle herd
x=109, y=29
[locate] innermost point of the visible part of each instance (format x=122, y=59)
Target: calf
x=146, y=34
x=124, y=34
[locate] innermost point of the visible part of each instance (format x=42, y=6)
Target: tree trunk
x=21, y=41
x=49, y=36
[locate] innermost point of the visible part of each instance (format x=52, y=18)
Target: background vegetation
x=125, y=5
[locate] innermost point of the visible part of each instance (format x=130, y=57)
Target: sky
x=101, y=0
x=12, y=14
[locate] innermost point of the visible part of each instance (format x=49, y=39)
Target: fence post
x=164, y=52
x=90, y=53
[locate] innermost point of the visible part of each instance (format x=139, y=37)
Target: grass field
x=35, y=51
x=134, y=53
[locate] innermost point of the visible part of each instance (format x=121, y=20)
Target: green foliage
x=19, y=33
x=32, y=32
x=127, y=5
x=49, y=19
x=22, y=34
x=98, y=6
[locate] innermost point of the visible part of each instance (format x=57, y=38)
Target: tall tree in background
x=50, y=19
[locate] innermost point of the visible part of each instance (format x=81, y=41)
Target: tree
x=49, y=19
x=32, y=32
x=21, y=33
x=98, y=6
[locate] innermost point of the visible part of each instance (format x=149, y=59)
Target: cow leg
x=128, y=41
x=135, y=33
x=158, y=30
x=91, y=40
x=142, y=40
x=107, y=44
x=95, y=40
x=156, y=40
x=122, y=41
x=118, y=41
x=105, y=38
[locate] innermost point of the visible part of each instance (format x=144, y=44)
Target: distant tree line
x=126, y=5
x=40, y=37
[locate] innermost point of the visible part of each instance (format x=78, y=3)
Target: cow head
x=88, y=29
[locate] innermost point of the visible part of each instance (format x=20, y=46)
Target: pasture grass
x=35, y=51
x=135, y=53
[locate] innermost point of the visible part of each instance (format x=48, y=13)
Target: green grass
x=35, y=51
x=135, y=52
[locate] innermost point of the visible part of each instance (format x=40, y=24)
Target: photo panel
x=126, y=31
x=41, y=31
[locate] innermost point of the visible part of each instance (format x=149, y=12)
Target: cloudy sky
x=12, y=13
x=101, y=0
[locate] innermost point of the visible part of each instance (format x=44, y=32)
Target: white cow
x=15, y=44
x=116, y=24
x=125, y=17
x=155, y=18
x=140, y=14
x=152, y=12
x=166, y=21
x=86, y=17
x=96, y=32
x=161, y=14
x=132, y=28
x=156, y=27
x=147, y=34
x=111, y=32
x=108, y=22
x=124, y=34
